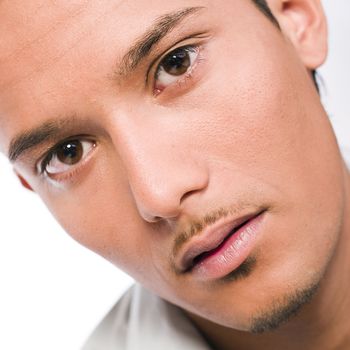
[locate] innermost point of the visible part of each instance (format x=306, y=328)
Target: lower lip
x=233, y=252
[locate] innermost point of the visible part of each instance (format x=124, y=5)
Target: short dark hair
x=265, y=9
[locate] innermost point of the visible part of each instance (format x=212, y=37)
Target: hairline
x=263, y=6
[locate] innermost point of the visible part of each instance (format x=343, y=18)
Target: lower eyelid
x=181, y=82
x=75, y=169
x=191, y=51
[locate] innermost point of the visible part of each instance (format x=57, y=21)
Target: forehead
x=50, y=50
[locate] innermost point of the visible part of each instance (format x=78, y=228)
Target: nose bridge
x=162, y=171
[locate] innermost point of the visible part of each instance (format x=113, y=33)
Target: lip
x=222, y=247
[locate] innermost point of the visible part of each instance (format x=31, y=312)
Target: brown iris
x=70, y=153
x=177, y=62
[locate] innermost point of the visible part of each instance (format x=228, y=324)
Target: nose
x=162, y=168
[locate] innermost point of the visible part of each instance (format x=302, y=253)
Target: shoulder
x=142, y=320
x=110, y=333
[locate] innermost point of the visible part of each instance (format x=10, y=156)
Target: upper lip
x=210, y=239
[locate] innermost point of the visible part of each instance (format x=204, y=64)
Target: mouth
x=221, y=248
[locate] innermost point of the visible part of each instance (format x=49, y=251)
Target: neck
x=322, y=324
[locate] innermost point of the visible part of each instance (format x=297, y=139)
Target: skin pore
x=136, y=154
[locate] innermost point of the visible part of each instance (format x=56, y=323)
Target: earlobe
x=304, y=23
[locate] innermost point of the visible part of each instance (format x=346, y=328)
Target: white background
x=52, y=291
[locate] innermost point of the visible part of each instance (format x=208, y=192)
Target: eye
x=66, y=156
x=174, y=66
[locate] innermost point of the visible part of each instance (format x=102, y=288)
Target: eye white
x=164, y=78
x=56, y=166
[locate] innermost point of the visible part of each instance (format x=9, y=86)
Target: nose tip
x=154, y=204
x=158, y=201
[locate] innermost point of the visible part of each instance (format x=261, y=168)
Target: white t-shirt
x=140, y=321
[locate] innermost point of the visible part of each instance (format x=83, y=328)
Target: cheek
x=245, y=104
x=100, y=215
x=257, y=113
x=242, y=123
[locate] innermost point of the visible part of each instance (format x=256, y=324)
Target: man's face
x=148, y=158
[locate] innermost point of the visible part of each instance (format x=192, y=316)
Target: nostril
x=156, y=219
x=188, y=194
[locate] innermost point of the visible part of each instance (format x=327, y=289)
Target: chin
x=281, y=310
x=257, y=305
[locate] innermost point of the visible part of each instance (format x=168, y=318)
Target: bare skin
x=157, y=152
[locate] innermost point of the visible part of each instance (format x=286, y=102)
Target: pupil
x=70, y=153
x=177, y=63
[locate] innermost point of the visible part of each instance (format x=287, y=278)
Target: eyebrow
x=48, y=131
x=142, y=47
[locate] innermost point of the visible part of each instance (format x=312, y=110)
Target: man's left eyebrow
x=48, y=131
x=143, y=46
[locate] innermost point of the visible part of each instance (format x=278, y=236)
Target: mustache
x=196, y=227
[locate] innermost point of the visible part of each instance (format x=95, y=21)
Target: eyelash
x=53, y=151
x=194, y=48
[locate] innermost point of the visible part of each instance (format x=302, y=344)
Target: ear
x=304, y=23
x=23, y=181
